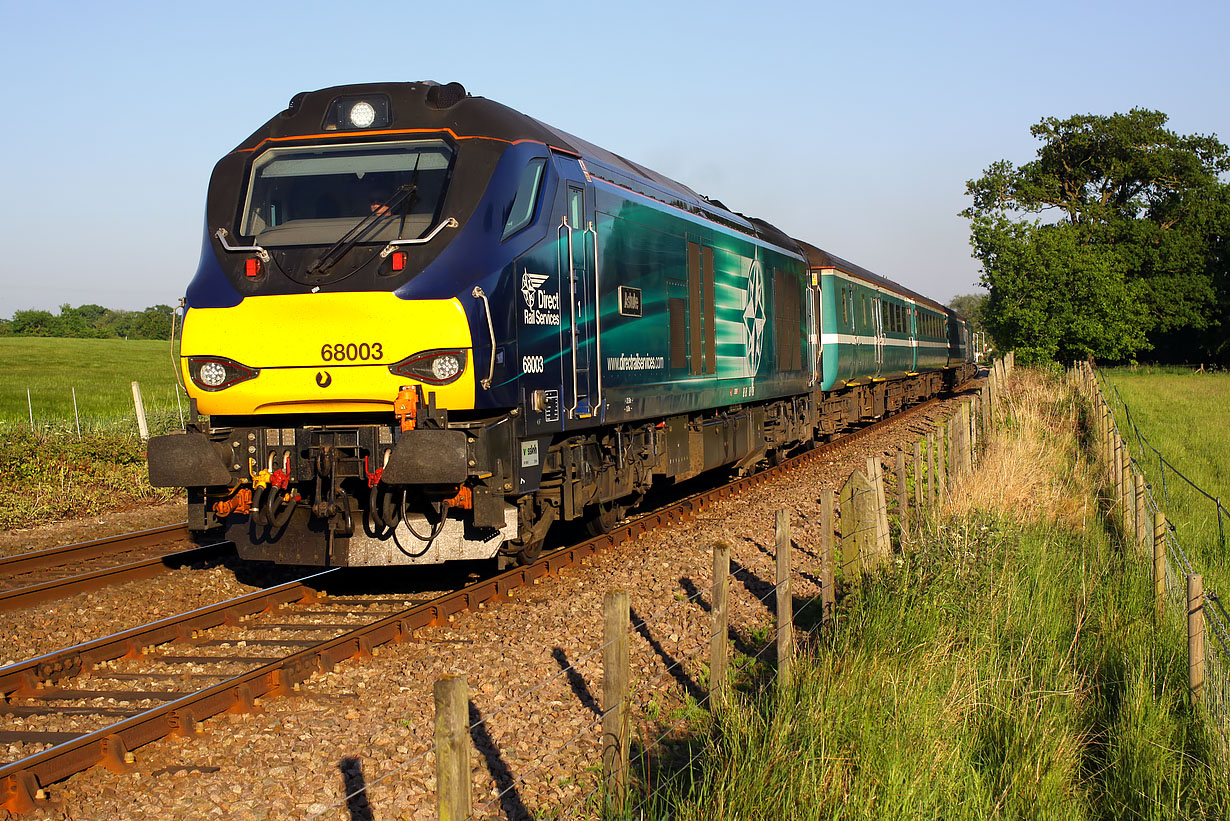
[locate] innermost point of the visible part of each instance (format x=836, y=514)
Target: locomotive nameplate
x=629, y=301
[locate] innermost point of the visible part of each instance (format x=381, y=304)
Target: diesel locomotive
x=427, y=327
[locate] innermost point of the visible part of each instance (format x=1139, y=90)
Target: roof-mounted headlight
x=362, y=114
x=358, y=113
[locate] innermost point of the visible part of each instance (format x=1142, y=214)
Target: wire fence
x=85, y=412
x=856, y=540
x=1164, y=464
x=1206, y=619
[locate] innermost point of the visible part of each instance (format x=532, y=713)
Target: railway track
x=96, y=702
x=33, y=578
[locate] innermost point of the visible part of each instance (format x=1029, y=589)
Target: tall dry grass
x=1034, y=471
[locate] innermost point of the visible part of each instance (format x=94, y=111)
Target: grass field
x=49, y=472
x=101, y=370
x=1185, y=416
x=1005, y=666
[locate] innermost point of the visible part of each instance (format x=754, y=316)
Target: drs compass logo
x=542, y=308
x=753, y=317
x=530, y=283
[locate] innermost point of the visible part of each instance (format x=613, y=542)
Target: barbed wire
x=1178, y=568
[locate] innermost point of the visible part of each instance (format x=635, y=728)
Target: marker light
x=362, y=114
x=252, y=267
x=399, y=260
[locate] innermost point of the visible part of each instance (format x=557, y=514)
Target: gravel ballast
x=533, y=665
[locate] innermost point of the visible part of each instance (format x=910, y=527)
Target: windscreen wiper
x=338, y=249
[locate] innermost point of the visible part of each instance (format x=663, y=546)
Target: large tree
x=1111, y=242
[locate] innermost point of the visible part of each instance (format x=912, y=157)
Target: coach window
x=845, y=309
x=521, y=213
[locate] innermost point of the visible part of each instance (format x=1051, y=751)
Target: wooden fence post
x=953, y=425
x=971, y=436
x=1129, y=504
x=828, y=594
x=975, y=435
x=1110, y=449
x=1195, y=637
x=941, y=479
x=931, y=471
x=785, y=604
x=615, y=609
x=883, y=542
x=76, y=414
x=1116, y=481
x=1159, y=566
x=719, y=652
x=452, y=701
x=857, y=525
x=918, y=481
x=903, y=497
x=1142, y=522
x=142, y=428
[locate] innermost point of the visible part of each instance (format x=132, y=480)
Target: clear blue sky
x=853, y=126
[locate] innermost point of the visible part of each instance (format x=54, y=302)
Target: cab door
x=578, y=269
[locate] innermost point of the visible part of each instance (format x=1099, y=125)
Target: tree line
x=1114, y=243
x=91, y=322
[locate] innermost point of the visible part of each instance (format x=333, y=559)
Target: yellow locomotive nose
x=322, y=353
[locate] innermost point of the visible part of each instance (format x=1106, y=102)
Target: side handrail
x=478, y=293
x=597, y=407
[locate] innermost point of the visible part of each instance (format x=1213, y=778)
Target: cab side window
x=523, y=206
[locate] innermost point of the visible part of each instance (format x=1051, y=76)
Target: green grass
x=101, y=370
x=50, y=472
x=1007, y=666
x=1028, y=685
x=1186, y=416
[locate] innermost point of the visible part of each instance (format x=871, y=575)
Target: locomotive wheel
x=529, y=552
x=603, y=517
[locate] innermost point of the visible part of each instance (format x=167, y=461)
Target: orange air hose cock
x=406, y=407
x=240, y=503
x=464, y=500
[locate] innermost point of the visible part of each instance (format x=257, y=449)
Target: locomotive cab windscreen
x=313, y=195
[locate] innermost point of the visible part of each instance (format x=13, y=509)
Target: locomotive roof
x=471, y=116
x=819, y=258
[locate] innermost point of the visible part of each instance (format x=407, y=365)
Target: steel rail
x=21, y=782
x=56, y=556
x=108, y=576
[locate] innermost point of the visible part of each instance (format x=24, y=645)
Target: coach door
x=578, y=248
x=814, y=313
x=877, y=312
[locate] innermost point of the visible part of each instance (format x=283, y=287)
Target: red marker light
x=252, y=267
x=399, y=261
